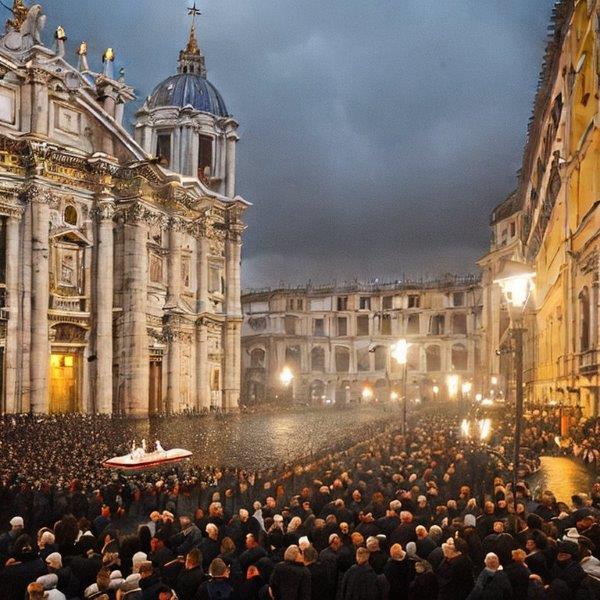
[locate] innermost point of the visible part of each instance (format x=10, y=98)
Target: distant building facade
x=557, y=216
x=119, y=259
x=336, y=340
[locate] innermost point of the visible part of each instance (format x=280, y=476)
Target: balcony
x=588, y=362
x=68, y=303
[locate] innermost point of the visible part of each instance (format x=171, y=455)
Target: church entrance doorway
x=155, y=400
x=64, y=382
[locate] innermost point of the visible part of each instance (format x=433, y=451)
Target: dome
x=186, y=89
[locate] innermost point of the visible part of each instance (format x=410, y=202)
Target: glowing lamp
x=286, y=376
x=400, y=351
x=452, y=383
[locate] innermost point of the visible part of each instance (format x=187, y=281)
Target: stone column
x=12, y=326
x=202, y=374
x=173, y=266
x=173, y=366
x=135, y=364
x=233, y=351
x=39, y=102
x=40, y=291
x=104, y=306
x=232, y=139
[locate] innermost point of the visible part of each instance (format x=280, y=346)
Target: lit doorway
x=64, y=383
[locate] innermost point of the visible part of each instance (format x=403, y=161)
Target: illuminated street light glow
x=436, y=389
x=487, y=402
x=485, y=429
x=452, y=382
x=465, y=427
x=516, y=282
x=286, y=376
x=466, y=387
x=367, y=393
x=478, y=397
x=494, y=380
x=394, y=396
x=400, y=351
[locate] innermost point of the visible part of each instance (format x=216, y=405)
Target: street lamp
x=436, y=390
x=400, y=355
x=452, y=382
x=367, y=393
x=516, y=283
x=286, y=377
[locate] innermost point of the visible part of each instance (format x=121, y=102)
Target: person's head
x=158, y=542
x=227, y=545
x=212, y=531
x=518, y=556
x=165, y=593
x=372, y=544
x=146, y=570
x=422, y=566
x=406, y=517
x=488, y=508
x=293, y=554
x=54, y=561
x=335, y=543
x=155, y=516
x=244, y=515
x=218, y=569
x=137, y=560
x=185, y=521
x=567, y=551
x=46, y=539
x=193, y=559
x=270, y=503
x=251, y=541
x=449, y=549
x=492, y=562
x=421, y=532
x=252, y=572
x=35, y=591
x=16, y=525
x=357, y=539
x=215, y=510
x=397, y=552
x=310, y=555
x=294, y=523
x=498, y=526
x=362, y=556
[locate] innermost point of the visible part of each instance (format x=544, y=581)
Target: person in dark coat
x=455, y=573
x=399, y=572
x=190, y=577
x=569, y=580
x=518, y=574
x=290, y=579
x=425, y=585
x=210, y=545
x=189, y=537
x=536, y=559
x=377, y=558
x=492, y=583
x=149, y=581
x=254, y=584
x=253, y=553
x=323, y=580
x=361, y=582
x=218, y=586
x=21, y=570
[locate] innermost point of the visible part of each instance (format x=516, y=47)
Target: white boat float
x=139, y=458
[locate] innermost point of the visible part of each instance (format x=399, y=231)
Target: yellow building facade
x=556, y=206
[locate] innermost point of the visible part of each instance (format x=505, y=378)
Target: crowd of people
x=428, y=516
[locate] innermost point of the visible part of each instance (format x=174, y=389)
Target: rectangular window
x=163, y=149
x=412, y=326
x=387, y=302
x=290, y=325
x=214, y=280
x=185, y=271
x=204, y=157
x=386, y=325
x=362, y=325
x=342, y=303
x=342, y=326
x=156, y=269
x=365, y=303
x=319, y=327
x=513, y=229
x=458, y=299
x=413, y=301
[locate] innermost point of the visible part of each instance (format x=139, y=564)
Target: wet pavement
x=563, y=476
x=261, y=440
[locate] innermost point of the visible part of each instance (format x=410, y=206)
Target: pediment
x=70, y=234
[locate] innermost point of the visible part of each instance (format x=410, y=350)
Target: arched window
x=381, y=353
x=342, y=359
x=413, y=358
x=460, y=357
x=584, y=320
x=363, y=359
x=433, y=358
x=70, y=216
x=257, y=358
x=317, y=359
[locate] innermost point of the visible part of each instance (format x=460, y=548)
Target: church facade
x=119, y=253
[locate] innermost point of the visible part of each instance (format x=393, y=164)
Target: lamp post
x=436, y=390
x=400, y=355
x=466, y=395
x=516, y=283
x=286, y=377
x=452, y=382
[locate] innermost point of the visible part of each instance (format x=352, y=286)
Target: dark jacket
x=423, y=587
x=290, y=581
x=216, y=589
x=518, y=575
x=455, y=578
x=188, y=582
x=399, y=574
x=491, y=585
x=150, y=587
x=323, y=581
x=362, y=583
x=14, y=579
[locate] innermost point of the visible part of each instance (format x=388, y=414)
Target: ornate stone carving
x=36, y=193
x=589, y=264
x=67, y=334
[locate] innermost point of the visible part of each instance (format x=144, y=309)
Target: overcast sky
x=376, y=136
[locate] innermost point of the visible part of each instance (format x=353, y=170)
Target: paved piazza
x=261, y=440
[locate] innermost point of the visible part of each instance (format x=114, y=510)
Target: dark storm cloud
x=376, y=136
